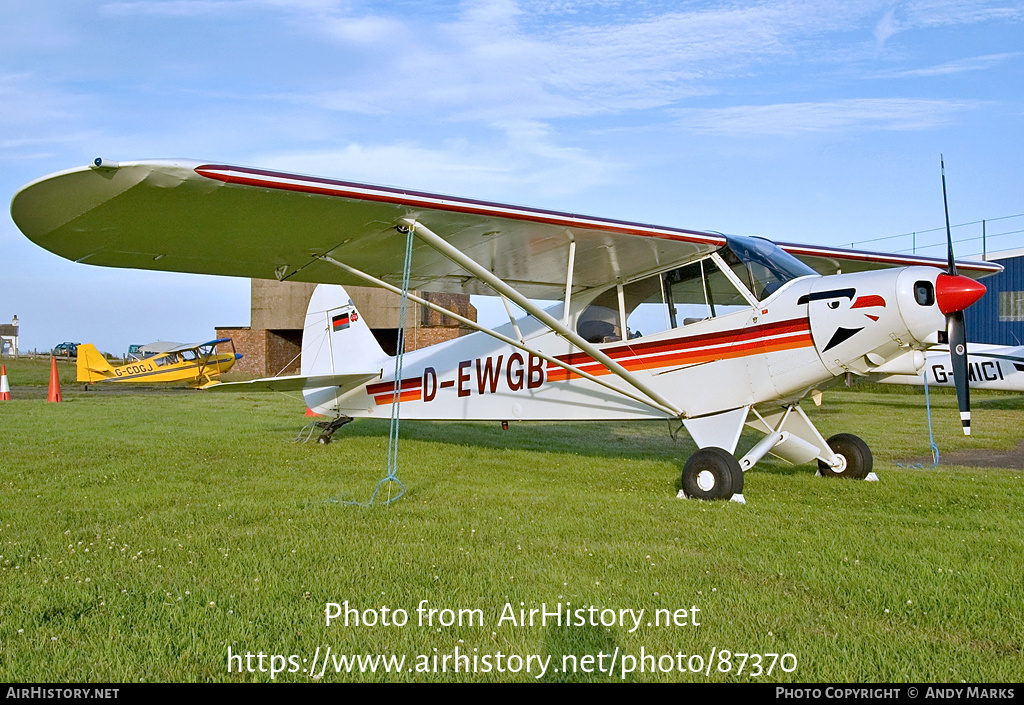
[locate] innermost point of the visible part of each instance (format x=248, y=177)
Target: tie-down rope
x=396, y=394
x=931, y=434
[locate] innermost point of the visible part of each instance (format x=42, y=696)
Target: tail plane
x=339, y=353
x=92, y=366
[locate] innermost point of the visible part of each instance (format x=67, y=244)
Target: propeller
x=954, y=293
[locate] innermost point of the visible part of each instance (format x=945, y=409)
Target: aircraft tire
x=856, y=456
x=712, y=473
x=324, y=439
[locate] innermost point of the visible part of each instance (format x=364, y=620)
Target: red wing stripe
x=346, y=189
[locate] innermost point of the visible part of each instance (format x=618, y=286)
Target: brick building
x=272, y=343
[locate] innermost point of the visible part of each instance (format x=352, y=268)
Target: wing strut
x=568, y=279
x=470, y=265
x=494, y=334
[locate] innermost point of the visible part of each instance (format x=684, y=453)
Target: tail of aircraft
x=339, y=354
x=92, y=366
x=336, y=339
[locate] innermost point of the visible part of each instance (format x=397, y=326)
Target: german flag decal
x=341, y=321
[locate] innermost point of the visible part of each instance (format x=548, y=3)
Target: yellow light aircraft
x=198, y=363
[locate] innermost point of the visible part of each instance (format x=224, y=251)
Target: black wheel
x=324, y=439
x=712, y=473
x=854, y=454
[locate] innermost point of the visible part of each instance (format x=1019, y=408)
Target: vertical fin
x=91, y=365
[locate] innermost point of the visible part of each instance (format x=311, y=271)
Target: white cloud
x=974, y=63
x=789, y=119
x=493, y=62
x=369, y=30
x=933, y=13
x=885, y=28
x=918, y=14
x=526, y=163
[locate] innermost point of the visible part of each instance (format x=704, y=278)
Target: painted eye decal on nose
x=833, y=299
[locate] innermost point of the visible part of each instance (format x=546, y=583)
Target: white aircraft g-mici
x=990, y=367
x=652, y=322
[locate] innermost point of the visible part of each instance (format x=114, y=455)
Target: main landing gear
x=715, y=473
x=712, y=473
x=853, y=454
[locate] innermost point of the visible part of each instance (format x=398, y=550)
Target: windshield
x=760, y=265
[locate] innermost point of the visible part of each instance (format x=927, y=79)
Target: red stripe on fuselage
x=692, y=350
x=389, y=387
x=728, y=337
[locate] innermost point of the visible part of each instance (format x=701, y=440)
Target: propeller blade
x=951, y=266
x=959, y=294
x=957, y=333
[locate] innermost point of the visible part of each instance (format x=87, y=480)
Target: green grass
x=35, y=371
x=143, y=535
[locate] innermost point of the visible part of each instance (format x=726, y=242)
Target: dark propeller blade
x=958, y=357
x=951, y=266
x=956, y=331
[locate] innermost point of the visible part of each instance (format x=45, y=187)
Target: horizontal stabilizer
x=291, y=383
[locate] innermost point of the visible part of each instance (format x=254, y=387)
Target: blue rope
x=931, y=434
x=396, y=394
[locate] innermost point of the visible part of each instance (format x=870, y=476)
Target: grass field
x=145, y=534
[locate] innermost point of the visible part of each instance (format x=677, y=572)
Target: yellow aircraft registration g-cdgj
x=197, y=363
x=653, y=322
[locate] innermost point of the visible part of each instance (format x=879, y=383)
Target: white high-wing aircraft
x=653, y=322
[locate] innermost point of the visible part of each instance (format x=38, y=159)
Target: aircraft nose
x=955, y=293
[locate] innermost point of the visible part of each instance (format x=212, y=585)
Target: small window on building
x=1011, y=305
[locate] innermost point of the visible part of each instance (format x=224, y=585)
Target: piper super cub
x=652, y=322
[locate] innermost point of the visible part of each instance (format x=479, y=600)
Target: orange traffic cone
x=54, y=393
x=310, y=412
x=5, y=387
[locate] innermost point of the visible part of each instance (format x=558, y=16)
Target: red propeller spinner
x=956, y=292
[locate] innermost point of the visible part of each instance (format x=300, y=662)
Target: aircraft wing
x=189, y=216
x=195, y=346
x=291, y=383
x=830, y=260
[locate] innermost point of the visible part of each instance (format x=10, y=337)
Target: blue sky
x=798, y=121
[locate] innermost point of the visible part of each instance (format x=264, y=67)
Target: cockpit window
x=761, y=266
x=694, y=292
